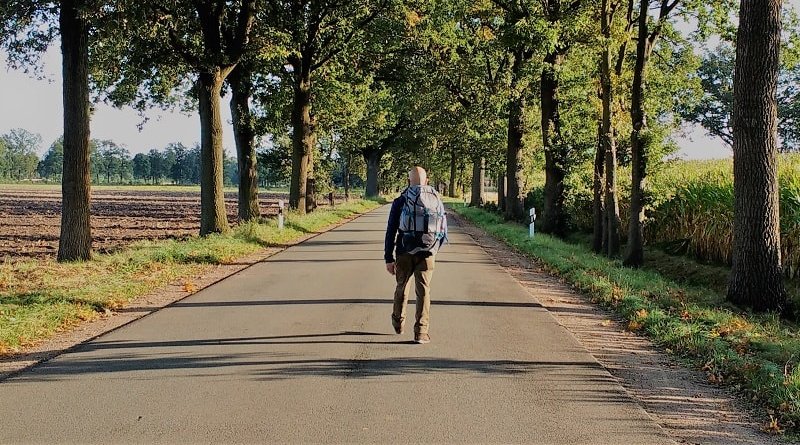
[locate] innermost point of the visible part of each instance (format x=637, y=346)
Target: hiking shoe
x=422, y=339
x=397, y=325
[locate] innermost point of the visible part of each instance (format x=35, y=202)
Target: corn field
x=697, y=213
x=690, y=208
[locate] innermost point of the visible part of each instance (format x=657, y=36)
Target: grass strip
x=756, y=354
x=41, y=297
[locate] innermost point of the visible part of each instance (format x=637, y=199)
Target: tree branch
x=180, y=47
x=244, y=23
x=455, y=91
x=663, y=16
x=504, y=5
x=343, y=43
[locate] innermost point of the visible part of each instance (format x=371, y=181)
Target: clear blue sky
x=35, y=105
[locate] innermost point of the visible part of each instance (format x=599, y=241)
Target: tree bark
x=213, y=217
x=461, y=184
x=302, y=139
x=75, y=242
x=476, y=200
x=612, y=218
x=756, y=277
x=514, y=147
x=501, y=191
x=611, y=222
x=634, y=256
x=453, y=173
x=346, y=177
x=372, y=157
x=553, y=216
x=244, y=134
x=311, y=194
x=598, y=187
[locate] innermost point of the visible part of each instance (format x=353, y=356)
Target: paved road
x=300, y=348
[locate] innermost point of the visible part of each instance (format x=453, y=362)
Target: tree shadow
x=234, y=341
x=325, y=301
x=280, y=366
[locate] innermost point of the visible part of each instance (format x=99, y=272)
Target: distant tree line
x=111, y=163
x=18, y=158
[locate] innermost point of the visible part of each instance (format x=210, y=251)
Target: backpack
x=423, y=221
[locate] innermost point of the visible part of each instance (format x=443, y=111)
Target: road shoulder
x=14, y=363
x=690, y=410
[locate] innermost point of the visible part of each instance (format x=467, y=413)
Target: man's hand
x=390, y=268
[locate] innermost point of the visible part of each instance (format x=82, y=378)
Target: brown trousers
x=421, y=269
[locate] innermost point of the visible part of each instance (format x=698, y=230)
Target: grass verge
x=756, y=354
x=41, y=297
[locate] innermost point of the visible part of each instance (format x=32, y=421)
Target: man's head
x=418, y=176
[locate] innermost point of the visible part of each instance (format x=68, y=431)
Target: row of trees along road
x=515, y=88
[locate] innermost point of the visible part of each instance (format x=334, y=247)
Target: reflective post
x=533, y=221
x=280, y=214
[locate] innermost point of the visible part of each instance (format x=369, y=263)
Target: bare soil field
x=30, y=217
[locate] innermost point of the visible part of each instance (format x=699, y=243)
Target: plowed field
x=30, y=217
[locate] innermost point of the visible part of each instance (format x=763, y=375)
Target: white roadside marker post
x=533, y=221
x=280, y=214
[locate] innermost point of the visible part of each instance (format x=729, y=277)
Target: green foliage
x=18, y=154
x=689, y=207
x=51, y=165
x=141, y=167
x=713, y=110
x=275, y=162
x=111, y=162
x=696, y=215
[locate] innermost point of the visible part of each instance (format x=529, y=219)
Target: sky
x=35, y=105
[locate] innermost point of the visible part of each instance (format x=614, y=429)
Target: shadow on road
x=278, y=366
x=499, y=304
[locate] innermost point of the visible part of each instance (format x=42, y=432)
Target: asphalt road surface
x=300, y=348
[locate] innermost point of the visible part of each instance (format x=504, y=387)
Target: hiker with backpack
x=416, y=230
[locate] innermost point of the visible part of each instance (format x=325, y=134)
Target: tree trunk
x=372, y=157
x=302, y=141
x=244, y=134
x=598, y=185
x=514, y=147
x=612, y=219
x=756, y=277
x=476, y=200
x=346, y=177
x=452, y=187
x=608, y=143
x=213, y=217
x=501, y=191
x=461, y=185
x=554, y=216
x=634, y=257
x=75, y=243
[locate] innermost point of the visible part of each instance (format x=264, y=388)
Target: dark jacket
x=394, y=238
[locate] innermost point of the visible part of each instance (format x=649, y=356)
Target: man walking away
x=417, y=229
